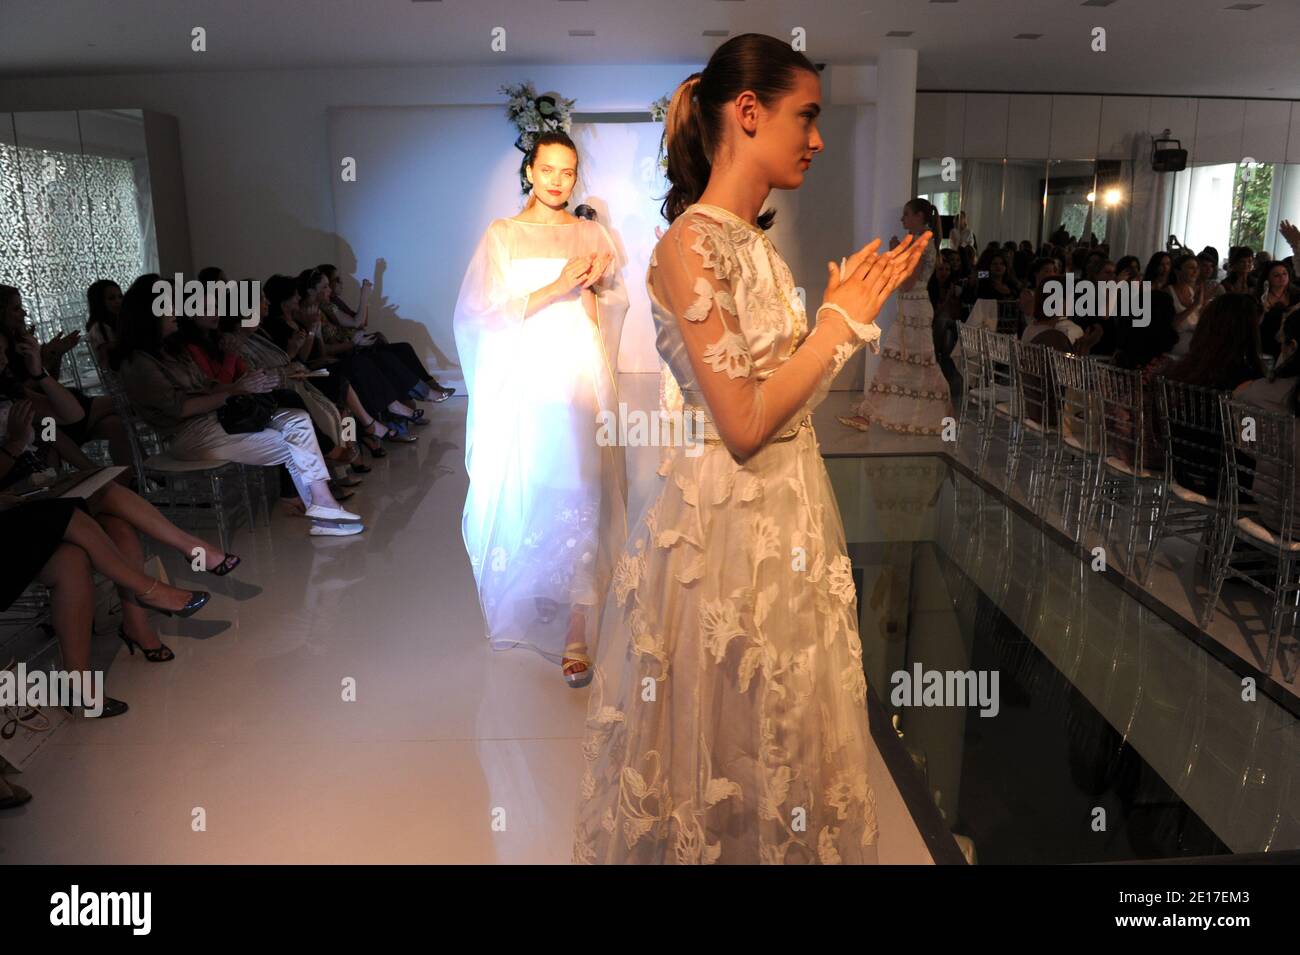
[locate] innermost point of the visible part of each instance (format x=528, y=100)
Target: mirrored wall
x=1044, y=200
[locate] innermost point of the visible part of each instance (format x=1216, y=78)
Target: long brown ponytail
x=930, y=212
x=693, y=127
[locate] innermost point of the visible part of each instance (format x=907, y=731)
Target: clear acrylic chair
x=1077, y=435
x=1125, y=483
x=1001, y=422
x=975, y=399
x=194, y=491
x=1259, y=462
x=1189, y=428
x=1035, y=410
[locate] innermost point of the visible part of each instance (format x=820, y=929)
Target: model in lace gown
x=909, y=393
x=727, y=721
x=537, y=325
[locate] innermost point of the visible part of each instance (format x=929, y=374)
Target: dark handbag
x=246, y=414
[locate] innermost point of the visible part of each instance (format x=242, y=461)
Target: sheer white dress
x=727, y=720
x=545, y=515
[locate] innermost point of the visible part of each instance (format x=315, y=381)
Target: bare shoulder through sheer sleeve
x=696, y=280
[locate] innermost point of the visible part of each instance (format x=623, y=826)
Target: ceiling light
x=899, y=33
x=1026, y=36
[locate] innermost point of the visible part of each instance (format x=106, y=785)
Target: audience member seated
x=1158, y=271
x=338, y=311
x=1188, y=297
x=1280, y=299
x=103, y=302
x=1081, y=342
x=286, y=328
x=1279, y=395
x=1128, y=269
x=260, y=352
x=1241, y=265
x=100, y=421
x=1224, y=355
x=999, y=284
x=1146, y=349
x=175, y=397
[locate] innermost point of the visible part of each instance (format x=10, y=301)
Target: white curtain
x=1022, y=203
x=981, y=197
x=1148, y=208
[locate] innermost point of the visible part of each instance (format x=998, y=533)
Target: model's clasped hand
x=860, y=284
x=582, y=271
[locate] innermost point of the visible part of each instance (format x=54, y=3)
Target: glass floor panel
x=1112, y=735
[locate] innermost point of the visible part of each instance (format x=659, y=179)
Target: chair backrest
x=1189, y=425
x=1121, y=413
x=1001, y=371
x=1034, y=396
x=1072, y=382
x=972, y=354
x=143, y=439
x=1259, y=461
x=1009, y=318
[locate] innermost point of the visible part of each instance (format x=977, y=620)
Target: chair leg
x=1221, y=559
x=1275, y=617
x=219, y=508
x=1157, y=537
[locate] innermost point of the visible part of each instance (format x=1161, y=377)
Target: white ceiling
x=1178, y=47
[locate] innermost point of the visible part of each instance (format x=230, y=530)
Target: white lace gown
x=909, y=394
x=545, y=516
x=727, y=720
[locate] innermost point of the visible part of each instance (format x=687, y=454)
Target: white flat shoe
x=336, y=530
x=336, y=514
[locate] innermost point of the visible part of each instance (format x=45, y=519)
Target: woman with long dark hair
x=909, y=393
x=1279, y=300
x=103, y=302
x=1224, y=351
x=1159, y=270
x=733, y=607
x=537, y=327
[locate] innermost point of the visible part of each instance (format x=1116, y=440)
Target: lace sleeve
x=694, y=280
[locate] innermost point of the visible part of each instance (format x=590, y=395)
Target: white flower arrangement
x=534, y=114
x=658, y=114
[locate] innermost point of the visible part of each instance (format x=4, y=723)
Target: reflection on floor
x=1106, y=707
x=1241, y=620
x=249, y=727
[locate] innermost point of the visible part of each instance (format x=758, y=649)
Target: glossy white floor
x=248, y=723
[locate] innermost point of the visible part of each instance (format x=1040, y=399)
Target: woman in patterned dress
x=727, y=721
x=909, y=394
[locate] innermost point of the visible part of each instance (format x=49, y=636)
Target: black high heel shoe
x=197, y=599
x=417, y=418
x=111, y=708
x=226, y=566
x=397, y=434
x=159, y=654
